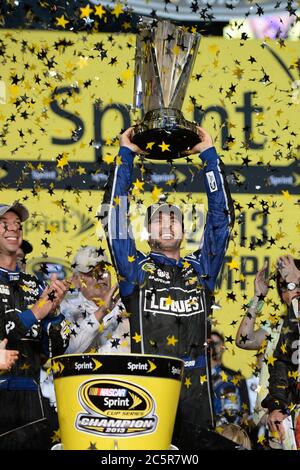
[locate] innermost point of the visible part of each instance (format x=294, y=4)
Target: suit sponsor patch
x=211, y=181
x=160, y=301
x=4, y=289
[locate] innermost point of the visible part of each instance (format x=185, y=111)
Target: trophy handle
x=185, y=74
x=156, y=71
x=146, y=68
x=138, y=85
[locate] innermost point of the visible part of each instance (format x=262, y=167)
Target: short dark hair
x=279, y=279
x=163, y=208
x=220, y=336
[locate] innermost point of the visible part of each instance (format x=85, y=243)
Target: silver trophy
x=165, y=55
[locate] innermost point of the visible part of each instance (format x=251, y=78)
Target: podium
x=116, y=402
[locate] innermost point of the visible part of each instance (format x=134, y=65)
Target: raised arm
x=86, y=328
x=220, y=216
x=55, y=330
x=114, y=215
x=247, y=337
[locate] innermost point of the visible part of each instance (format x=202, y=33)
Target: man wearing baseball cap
x=169, y=297
x=15, y=207
x=97, y=316
x=28, y=326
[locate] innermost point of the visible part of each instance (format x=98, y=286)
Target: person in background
x=283, y=398
x=249, y=338
x=264, y=339
x=237, y=434
x=231, y=401
x=97, y=318
x=28, y=325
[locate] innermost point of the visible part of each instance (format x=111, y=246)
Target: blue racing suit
x=169, y=301
x=24, y=423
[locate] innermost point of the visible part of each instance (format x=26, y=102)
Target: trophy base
x=164, y=134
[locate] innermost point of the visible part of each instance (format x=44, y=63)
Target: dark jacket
x=33, y=339
x=284, y=380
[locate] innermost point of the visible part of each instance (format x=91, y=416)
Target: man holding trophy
x=168, y=297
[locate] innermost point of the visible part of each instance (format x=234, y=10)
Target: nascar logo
x=115, y=407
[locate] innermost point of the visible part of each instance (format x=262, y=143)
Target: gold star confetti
x=62, y=21
x=286, y=194
x=149, y=145
x=108, y=159
x=138, y=185
x=81, y=170
x=171, y=340
x=233, y=264
x=224, y=377
x=118, y=10
x=271, y=360
x=156, y=192
x=99, y=11
x=164, y=147
x=86, y=11
x=56, y=436
x=137, y=338
x=187, y=382
x=62, y=160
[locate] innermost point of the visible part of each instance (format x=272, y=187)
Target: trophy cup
x=165, y=55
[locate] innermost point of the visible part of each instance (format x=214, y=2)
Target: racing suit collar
x=9, y=275
x=160, y=257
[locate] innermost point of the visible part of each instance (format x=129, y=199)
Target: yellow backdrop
x=51, y=81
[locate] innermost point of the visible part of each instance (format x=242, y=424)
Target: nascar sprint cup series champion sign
x=111, y=402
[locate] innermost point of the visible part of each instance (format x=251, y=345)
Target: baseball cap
x=163, y=208
x=16, y=207
x=87, y=258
